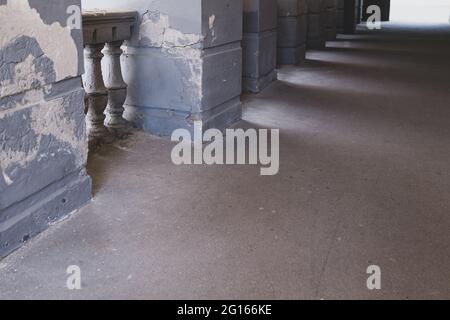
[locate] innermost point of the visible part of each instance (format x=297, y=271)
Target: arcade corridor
x=364, y=179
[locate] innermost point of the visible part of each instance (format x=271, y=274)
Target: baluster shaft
x=117, y=88
x=97, y=95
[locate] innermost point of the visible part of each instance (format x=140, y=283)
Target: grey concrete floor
x=364, y=179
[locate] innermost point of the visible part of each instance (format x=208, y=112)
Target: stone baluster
x=117, y=88
x=97, y=94
x=104, y=32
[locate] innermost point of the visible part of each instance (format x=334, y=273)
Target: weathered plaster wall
x=184, y=63
x=259, y=44
x=43, y=145
x=292, y=30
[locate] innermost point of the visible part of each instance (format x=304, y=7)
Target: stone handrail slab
x=102, y=26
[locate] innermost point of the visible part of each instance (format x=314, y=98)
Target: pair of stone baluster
x=105, y=90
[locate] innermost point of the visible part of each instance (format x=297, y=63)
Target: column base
x=256, y=85
x=259, y=60
x=27, y=218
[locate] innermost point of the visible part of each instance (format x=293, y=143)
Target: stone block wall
x=184, y=63
x=292, y=30
x=317, y=24
x=259, y=44
x=42, y=123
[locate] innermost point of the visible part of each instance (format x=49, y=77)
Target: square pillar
x=317, y=24
x=292, y=29
x=340, y=5
x=43, y=142
x=185, y=66
x=259, y=44
x=331, y=20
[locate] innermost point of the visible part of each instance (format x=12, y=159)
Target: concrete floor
x=364, y=179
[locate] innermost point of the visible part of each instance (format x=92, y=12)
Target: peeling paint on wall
x=18, y=18
x=155, y=31
x=7, y=179
x=32, y=58
x=24, y=66
x=50, y=119
x=212, y=20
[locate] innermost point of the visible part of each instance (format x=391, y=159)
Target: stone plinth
x=292, y=25
x=259, y=44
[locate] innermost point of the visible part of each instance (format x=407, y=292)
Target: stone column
x=340, y=16
x=317, y=15
x=331, y=20
x=292, y=28
x=259, y=44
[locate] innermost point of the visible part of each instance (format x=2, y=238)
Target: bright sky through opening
x=431, y=11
